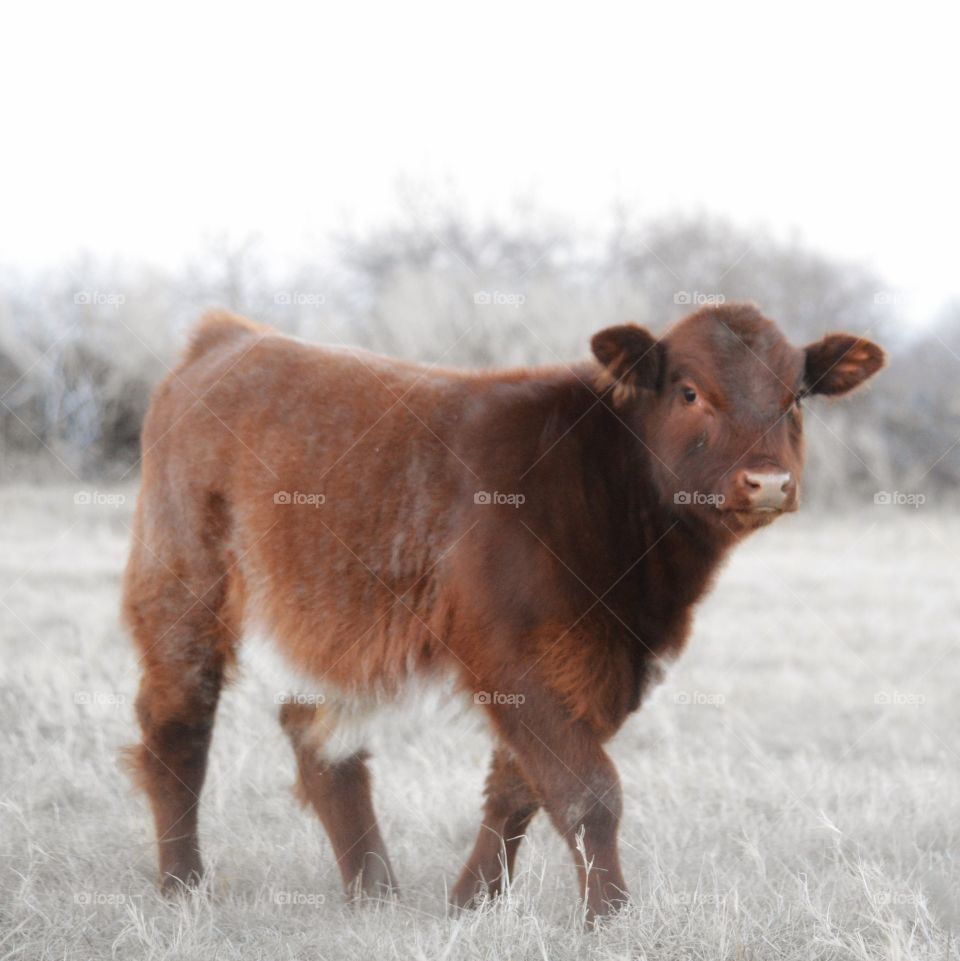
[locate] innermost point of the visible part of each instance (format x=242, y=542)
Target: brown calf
x=536, y=537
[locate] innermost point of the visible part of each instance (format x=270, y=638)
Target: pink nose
x=765, y=490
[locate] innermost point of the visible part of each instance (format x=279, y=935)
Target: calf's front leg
x=510, y=806
x=578, y=784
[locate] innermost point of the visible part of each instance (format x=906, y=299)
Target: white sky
x=138, y=131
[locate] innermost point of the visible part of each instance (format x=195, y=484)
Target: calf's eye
x=689, y=394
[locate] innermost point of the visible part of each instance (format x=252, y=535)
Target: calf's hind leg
x=183, y=654
x=340, y=793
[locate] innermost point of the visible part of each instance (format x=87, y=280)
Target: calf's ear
x=631, y=359
x=840, y=362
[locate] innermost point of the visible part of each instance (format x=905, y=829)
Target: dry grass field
x=792, y=791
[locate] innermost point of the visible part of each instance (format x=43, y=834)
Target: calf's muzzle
x=765, y=490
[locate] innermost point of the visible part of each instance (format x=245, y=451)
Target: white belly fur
x=347, y=723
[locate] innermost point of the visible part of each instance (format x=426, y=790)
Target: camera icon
x=482, y=697
x=883, y=498
x=482, y=497
x=82, y=498
x=682, y=697
x=283, y=297
x=282, y=497
x=682, y=497
x=682, y=297
x=82, y=297
x=482, y=297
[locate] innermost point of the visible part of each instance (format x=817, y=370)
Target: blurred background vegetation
x=81, y=347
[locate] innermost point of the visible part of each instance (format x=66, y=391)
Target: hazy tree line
x=81, y=347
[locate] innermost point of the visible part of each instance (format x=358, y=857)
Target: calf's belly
x=349, y=718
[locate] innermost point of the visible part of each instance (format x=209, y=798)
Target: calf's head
x=717, y=402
